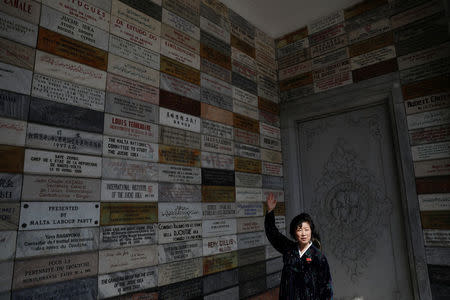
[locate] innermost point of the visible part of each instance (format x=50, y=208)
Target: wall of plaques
x=377, y=37
x=138, y=141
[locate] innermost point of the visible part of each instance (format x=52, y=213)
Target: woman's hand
x=271, y=202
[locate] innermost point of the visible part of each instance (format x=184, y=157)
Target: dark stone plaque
x=220, y=262
x=212, y=42
x=273, y=280
x=218, y=193
x=272, y=182
x=179, y=103
x=297, y=93
x=242, y=46
x=217, y=177
x=174, y=192
x=14, y=105
x=435, y=219
x=433, y=185
x=147, y=7
x=215, y=56
x=375, y=70
x=10, y=187
x=425, y=87
x=178, y=137
x=377, y=42
x=293, y=59
x=131, y=108
x=268, y=106
x=64, y=115
x=243, y=83
x=217, y=99
x=179, y=70
x=215, y=70
x=362, y=7
x=11, y=159
x=84, y=288
x=179, y=251
x=189, y=10
x=252, y=287
x=217, y=16
x=250, y=256
x=296, y=81
x=190, y=289
x=245, y=123
x=251, y=272
x=421, y=72
x=219, y=281
x=128, y=213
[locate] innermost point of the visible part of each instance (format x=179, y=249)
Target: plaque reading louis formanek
x=119, y=236
x=172, y=232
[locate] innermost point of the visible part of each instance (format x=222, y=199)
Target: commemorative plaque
x=243, y=29
x=436, y=237
x=18, y=30
x=12, y=132
x=211, y=42
x=177, y=69
x=180, y=54
x=179, y=103
x=179, y=37
x=416, y=13
x=84, y=288
x=127, y=281
x=215, y=56
x=243, y=58
x=133, y=52
x=58, y=163
x=179, y=271
x=150, y=8
x=218, y=193
x=217, y=144
x=247, y=151
x=179, y=120
x=272, y=169
x=425, y=87
x=247, y=165
x=215, y=15
x=131, y=108
x=129, y=149
x=432, y=168
x=216, y=114
x=271, y=156
x=213, y=228
x=64, y=69
x=44, y=188
x=170, y=212
x=214, y=84
x=127, y=235
x=179, y=251
x=217, y=177
x=14, y=105
x=273, y=280
x=245, y=109
x=15, y=79
x=296, y=81
x=242, y=46
x=218, y=210
x=294, y=58
x=189, y=289
x=129, y=191
x=430, y=151
x=179, y=86
x=54, y=269
x=423, y=56
x=248, y=180
x=346, y=78
x=292, y=48
x=434, y=202
x=244, y=83
x=124, y=127
x=324, y=60
x=67, y=92
x=178, y=137
x=435, y=219
x=179, y=174
x=215, y=98
x=331, y=70
x=7, y=245
x=128, y=213
x=432, y=69
x=269, y=118
x=9, y=215
x=173, y=192
x=115, y=260
x=429, y=135
x=428, y=119
x=215, y=70
x=16, y=54
x=180, y=24
x=326, y=21
x=270, y=131
x=217, y=129
x=56, y=241
x=253, y=209
x=295, y=70
x=218, y=245
x=132, y=70
x=246, y=137
x=247, y=194
x=373, y=57
x=215, y=30
x=189, y=10
x=250, y=240
x=270, y=143
x=219, y=280
x=264, y=58
x=135, y=34
x=27, y=10
x=377, y=42
x=268, y=93
x=179, y=232
x=136, y=17
x=433, y=185
x=252, y=287
x=129, y=169
x=244, y=96
x=369, y=31
x=268, y=71
x=326, y=34
x=253, y=224
x=243, y=70
x=218, y=263
x=329, y=45
x=272, y=182
x=217, y=161
x=245, y=123
x=179, y=156
x=10, y=187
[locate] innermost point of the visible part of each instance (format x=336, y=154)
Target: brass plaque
x=11, y=159
x=216, y=114
x=292, y=37
x=242, y=164
x=179, y=70
x=377, y=42
x=242, y=46
x=179, y=156
x=215, y=56
x=245, y=123
x=66, y=47
x=221, y=262
x=269, y=106
x=218, y=193
x=128, y=213
x=435, y=219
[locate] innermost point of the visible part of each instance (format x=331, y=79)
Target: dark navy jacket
x=305, y=278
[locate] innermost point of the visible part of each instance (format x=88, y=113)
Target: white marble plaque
x=74, y=28
x=64, y=69
x=326, y=21
x=278, y=194
x=58, y=163
x=432, y=168
x=169, y=212
x=180, y=24
x=217, y=161
x=246, y=194
x=134, y=16
x=67, y=92
x=179, y=174
x=251, y=239
x=179, y=251
x=180, y=37
x=132, y=70
x=271, y=252
x=369, y=31
x=428, y=119
x=10, y=187
x=115, y=260
x=218, y=210
x=433, y=202
x=18, y=30
x=129, y=169
x=12, y=132
x=119, y=236
x=245, y=109
x=295, y=70
x=252, y=209
x=179, y=271
x=119, y=283
x=129, y=149
x=268, y=130
x=175, y=192
x=430, y=151
x=436, y=237
x=248, y=151
x=56, y=241
x=427, y=103
x=180, y=54
x=270, y=143
x=244, y=96
x=217, y=129
x=213, y=228
x=133, y=52
x=328, y=46
x=215, y=30
x=129, y=128
x=179, y=120
x=179, y=87
x=179, y=231
x=212, y=83
x=49, y=188
x=135, y=34
x=15, y=79
x=323, y=61
x=61, y=139
x=8, y=245
x=129, y=191
x=49, y=215
x=245, y=225
x=221, y=244
x=28, y=10
x=272, y=169
x=217, y=145
x=271, y=156
x=242, y=58
x=248, y=179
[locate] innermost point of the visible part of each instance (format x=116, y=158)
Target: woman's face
x=303, y=234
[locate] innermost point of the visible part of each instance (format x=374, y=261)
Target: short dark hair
x=298, y=220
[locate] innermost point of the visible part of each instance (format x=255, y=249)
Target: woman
x=306, y=274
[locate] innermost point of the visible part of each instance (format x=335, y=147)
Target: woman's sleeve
x=278, y=240
x=326, y=287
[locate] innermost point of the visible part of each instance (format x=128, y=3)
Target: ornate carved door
x=349, y=185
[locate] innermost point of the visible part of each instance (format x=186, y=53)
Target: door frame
x=384, y=89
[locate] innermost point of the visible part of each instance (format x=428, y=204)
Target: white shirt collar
x=304, y=251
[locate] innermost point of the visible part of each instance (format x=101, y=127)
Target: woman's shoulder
x=317, y=253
